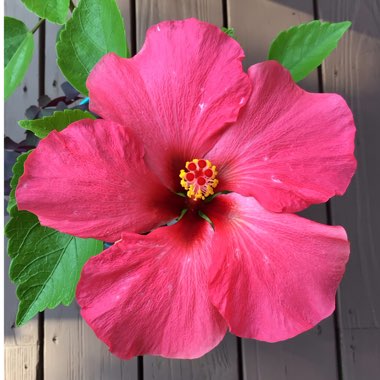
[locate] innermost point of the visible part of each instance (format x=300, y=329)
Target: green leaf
x=302, y=48
x=229, y=31
x=53, y=10
x=18, y=170
x=58, y=121
x=206, y=218
x=176, y=220
x=223, y=192
x=95, y=29
x=18, y=53
x=45, y=265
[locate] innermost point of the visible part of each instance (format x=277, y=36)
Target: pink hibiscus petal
x=273, y=275
x=90, y=180
x=148, y=294
x=177, y=93
x=289, y=148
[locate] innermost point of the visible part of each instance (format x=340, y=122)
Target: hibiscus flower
x=181, y=124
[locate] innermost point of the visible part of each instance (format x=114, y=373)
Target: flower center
x=199, y=178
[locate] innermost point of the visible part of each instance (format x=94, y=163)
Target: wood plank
x=27, y=93
x=53, y=76
x=353, y=71
x=361, y=353
x=72, y=351
x=219, y=364
x=222, y=362
x=20, y=343
x=295, y=359
x=258, y=22
x=313, y=353
x=149, y=12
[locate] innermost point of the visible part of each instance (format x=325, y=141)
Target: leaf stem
x=39, y=23
x=72, y=6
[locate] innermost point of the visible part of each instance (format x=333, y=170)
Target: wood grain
x=53, y=76
x=20, y=343
x=219, y=364
x=73, y=352
x=303, y=357
x=256, y=24
x=222, y=362
x=149, y=12
x=353, y=71
x=27, y=93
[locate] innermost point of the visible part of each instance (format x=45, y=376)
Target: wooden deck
x=346, y=346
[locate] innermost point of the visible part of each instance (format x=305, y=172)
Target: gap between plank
x=225, y=13
x=41, y=91
x=239, y=345
x=132, y=17
x=140, y=368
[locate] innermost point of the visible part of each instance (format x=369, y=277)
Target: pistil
x=199, y=178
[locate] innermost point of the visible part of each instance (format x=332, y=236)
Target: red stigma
x=199, y=179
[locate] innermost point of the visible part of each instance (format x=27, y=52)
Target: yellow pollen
x=199, y=178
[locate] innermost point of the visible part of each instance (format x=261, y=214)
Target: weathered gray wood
x=149, y=12
x=20, y=343
x=219, y=364
x=222, y=362
x=303, y=357
x=53, y=75
x=353, y=71
x=361, y=353
x=311, y=355
x=27, y=93
x=258, y=22
x=72, y=351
